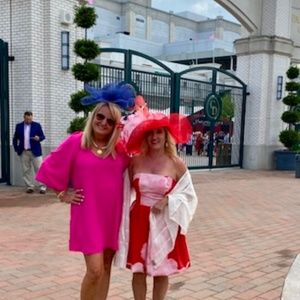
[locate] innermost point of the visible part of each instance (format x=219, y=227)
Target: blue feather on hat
x=122, y=94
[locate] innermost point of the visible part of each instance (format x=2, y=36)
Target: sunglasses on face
x=109, y=121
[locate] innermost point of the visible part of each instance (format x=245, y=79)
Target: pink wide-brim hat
x=138, y=124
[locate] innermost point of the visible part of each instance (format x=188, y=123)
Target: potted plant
x=290, y=137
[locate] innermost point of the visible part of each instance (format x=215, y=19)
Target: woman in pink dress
x=86, y=171
x=164, y=204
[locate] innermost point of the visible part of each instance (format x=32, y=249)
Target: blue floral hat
x=122, y=94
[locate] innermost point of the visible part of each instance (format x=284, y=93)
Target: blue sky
x=207, y=8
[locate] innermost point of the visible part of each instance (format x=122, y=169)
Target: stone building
x=272, y=44
x=37, y=82
x=186, y=37
x=33, y=30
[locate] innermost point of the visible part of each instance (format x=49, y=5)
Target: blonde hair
x=169, y=147
x=87, y=137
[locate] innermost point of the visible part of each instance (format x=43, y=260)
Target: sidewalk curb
x=291, y=287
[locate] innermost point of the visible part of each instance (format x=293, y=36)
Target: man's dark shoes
x=29, y=191
x=43, y=192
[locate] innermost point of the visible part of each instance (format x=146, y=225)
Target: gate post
x=4, y=113
x=175, y=92
x=212, y=123
x=243, y=126
x=127, y=65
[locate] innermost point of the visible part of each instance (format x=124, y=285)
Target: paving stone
x=243, y=241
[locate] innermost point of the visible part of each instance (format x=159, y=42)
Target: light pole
x=212, y=39
x=194, y=59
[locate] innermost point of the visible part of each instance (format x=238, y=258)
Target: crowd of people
x=131, y=196
x=198, y=143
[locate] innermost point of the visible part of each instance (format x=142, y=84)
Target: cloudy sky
x=207, y=8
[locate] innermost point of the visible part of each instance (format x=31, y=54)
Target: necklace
x=99, y=150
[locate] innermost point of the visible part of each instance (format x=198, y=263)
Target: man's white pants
x=29, y=161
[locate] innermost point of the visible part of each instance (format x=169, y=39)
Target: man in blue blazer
x=27, y=143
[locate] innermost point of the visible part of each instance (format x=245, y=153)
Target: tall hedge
x=85, y=71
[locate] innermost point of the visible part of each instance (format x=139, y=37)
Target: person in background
x=199, y=143
x=152, y=241
x=226, y=139
x=27, y=144
x=86, y=171
x=189, y=145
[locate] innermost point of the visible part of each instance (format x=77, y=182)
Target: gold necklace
x=99, y=150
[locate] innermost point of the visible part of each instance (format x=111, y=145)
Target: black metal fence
x=213, y=144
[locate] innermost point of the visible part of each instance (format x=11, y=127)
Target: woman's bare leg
x=103, y=287
x=139, y=286
x=160, y=287
x=93, y=276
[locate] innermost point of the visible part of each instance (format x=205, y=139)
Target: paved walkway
x=243, y=240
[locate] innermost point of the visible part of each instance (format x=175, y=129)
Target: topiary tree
x=85, y=17
x=290, y=137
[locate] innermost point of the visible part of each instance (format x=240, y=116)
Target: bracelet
x=60, y=195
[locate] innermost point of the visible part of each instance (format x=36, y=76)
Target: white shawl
x=182, y=203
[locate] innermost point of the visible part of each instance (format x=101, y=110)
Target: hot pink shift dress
x=94, y=224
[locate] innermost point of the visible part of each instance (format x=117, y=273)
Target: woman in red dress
x=164, y=205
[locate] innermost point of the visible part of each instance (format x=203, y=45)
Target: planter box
x=285, y=160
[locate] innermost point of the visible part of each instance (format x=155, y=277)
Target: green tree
x=85, y=17
x=227, y=107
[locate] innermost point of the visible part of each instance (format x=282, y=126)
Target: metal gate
x=214, y=100
x=4, y=114
x=215, y=105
